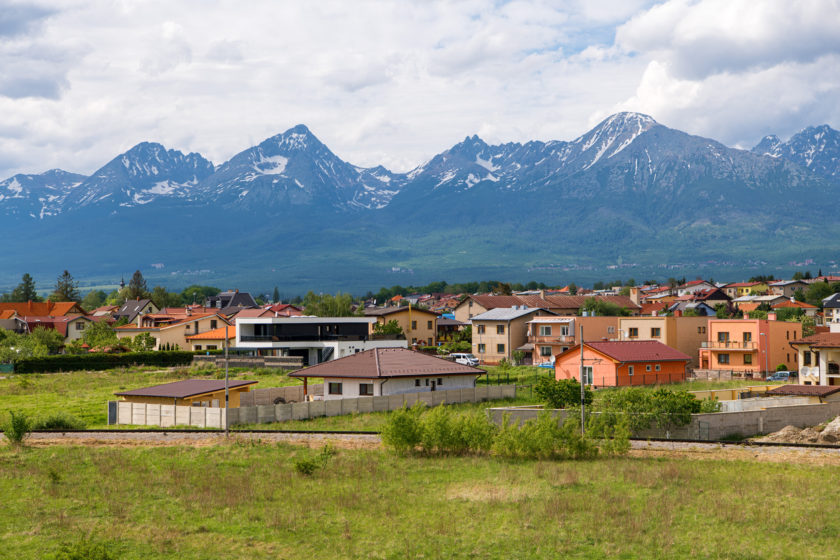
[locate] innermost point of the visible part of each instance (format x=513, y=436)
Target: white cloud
x=395, y=82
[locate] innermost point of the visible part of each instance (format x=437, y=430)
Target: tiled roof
x=43, y=308
x=380, y=311
x=215, y=334
x=387, y=362
x=639, y=351
x=796, y=304
x=649, y=308
x=491, y=302
x=742, y=284
x=805, y=390
x=821, y=340
x=186, y=388
x=7, y=314
x=57, y=323
x=832, y=301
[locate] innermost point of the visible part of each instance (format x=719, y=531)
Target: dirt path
x=677, y=450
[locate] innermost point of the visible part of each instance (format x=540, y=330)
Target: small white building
x=388, y=371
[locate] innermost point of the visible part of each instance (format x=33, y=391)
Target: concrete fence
x=237, y=361
x=268, y=413
x=167, y=415
x=278, y=395
x=711, y=426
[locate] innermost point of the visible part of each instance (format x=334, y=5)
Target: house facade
x=819, y=358
x=172, y=330
x=549, y=336
x=749, y=346
x=831, y=309
x=498, y=333
x=622, y=363
x=685, y=334
x=418, y=325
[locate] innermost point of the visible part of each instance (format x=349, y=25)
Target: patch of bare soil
x=828, y=434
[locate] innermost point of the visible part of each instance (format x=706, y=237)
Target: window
x=788, y=357
x=481, y=348
x=747, y=337
x=413, y=325
x=657, y=367
x=633, y=332
x=611, y=330
x=427, y=382
x=723, y=336
x=587, y=375
x=429, y=325
x=545, y=330
x=416, y=382
x=787, y=335
x=655, y=332
x=545, y=351
x=500, y=329
x=470, y=303
x=334, y=388
x=440, y=380
x=413, y=341
x=630, y=371
x=747, y=359
x=500, y=348
x=80, y=326
x=806, y=358
x=365, y=389
x=701, y=330
x=723, y=358
x=213, y=323
x=211, y=347
x=480, y=329
x=198, y=346
x=647, y=367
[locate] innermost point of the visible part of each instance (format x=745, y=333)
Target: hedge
x=97, y=361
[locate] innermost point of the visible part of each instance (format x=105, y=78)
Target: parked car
x=462, y=358
x=779, y=376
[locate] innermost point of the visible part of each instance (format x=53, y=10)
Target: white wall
x=397, y=386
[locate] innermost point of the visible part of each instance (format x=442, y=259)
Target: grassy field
x=245, y=500
x=85, y=394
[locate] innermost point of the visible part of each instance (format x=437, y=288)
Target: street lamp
x=766, y=369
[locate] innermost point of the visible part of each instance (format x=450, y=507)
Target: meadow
x=247, y=500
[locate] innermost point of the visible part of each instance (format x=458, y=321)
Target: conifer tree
x=25, y=291
x=66, y=288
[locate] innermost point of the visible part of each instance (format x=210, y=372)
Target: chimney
x=139, y=320
x=677, y=313
x=746, y=315
x=771, y=316
x=189, y=311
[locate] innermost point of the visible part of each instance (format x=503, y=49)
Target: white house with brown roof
x=388, y=371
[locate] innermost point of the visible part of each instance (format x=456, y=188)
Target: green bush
x=544, y=438
x=308, y=465
x=561, y=393
x=402, y=430
x=100, y=361
x=642, y=408
x=17, y=428
x=59, y=421
x=781, y=367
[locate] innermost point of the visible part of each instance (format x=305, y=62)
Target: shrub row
x=97, y=361
x=441, y=432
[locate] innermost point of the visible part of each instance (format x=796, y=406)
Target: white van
x=466, y=359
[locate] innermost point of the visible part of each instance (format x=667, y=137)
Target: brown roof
x=551, y=303
x=821, y=340
x=638, y=351
x=795, y=304
x=44, y=308
x=387, y=362
x=215, y=334
x=186, y=388
x=380, y=311
x=805, y=390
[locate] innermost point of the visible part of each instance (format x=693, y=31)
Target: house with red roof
x=172, y=329
x=213, y=339
x=43, y=308
x=70, y=327
x=622, y=363
x=807, y=308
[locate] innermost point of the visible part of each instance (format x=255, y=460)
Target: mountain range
x=289, y=212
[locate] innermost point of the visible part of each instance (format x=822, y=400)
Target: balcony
x=730, y=345
x=560, y=339
x=301, y=338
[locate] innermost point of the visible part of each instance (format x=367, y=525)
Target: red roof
x=215, y=334
x=820, y=340
x=742, y=284
x=638, y=351
x=387, y=362
x=57, y=323
x=649, y=308
x=43, y=308
x=796, y=304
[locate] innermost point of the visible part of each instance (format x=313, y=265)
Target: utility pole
x=582, y=389
x=227, y=392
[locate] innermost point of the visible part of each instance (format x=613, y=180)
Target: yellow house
x=190, y=392
x=498, y=333
x=419, y=325
x=686, y=334
x=172, y=329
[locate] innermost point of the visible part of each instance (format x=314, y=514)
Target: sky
x=395, y=82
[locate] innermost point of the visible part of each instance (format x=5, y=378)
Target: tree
x=560, y=393
x=198, y=294
x=799, y=295
x=93, y=299
x=816, y=292
x=275, y=297
x=137, y=287
x=573, y=289
x=66, y=288
x=162, y=298
x=326, y=305
x=603, y=308
x=99, y=335
x=25, y=291
x=391, y=328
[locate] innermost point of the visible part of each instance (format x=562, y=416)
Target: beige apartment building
x=172, y=331
x=686, y=334
x=550, y=336
x=419, y=325
x=498, y=333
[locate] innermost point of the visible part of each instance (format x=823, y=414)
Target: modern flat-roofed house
x=622, y=363
x=190, y=392
x=389, y=371
x=314, y=339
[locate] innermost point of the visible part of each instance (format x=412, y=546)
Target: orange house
x=622, y=363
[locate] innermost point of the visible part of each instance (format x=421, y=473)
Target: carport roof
x=184, y=389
